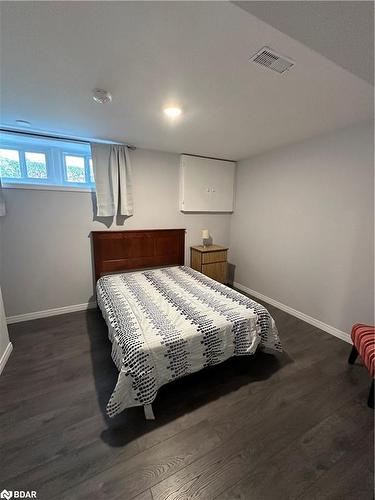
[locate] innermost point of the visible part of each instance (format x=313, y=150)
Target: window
x=36, y=165
x=10, y=163
x=31, y=160
x=75, y=168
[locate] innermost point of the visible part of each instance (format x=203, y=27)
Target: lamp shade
x=205, y=234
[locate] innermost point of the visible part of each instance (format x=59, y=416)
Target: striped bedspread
x=166, y=323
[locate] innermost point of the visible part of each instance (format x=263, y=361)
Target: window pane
x=36, y=165
x=92, y=178
x=75, y=168
x=10, y=163
x=27, y=159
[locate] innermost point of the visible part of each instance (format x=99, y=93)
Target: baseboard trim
x=5, y=356
x=50, y=312
x=312, y=321
x=89, y=305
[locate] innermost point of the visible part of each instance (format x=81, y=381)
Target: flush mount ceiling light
x=101, y=96
x=172, y=112
x=23, y=123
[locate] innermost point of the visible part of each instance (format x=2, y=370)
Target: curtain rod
x=63, y=137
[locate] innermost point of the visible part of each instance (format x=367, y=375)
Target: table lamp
x=205, y=236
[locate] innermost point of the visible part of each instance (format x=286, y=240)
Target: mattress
x=170, y=322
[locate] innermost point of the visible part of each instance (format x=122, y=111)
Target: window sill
x=45, y=187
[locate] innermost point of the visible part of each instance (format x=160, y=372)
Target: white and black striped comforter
x=167, y=323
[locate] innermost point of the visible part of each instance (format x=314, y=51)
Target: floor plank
x=305, y=460
x=130, y=477
x=352, y=477
x=260, y=436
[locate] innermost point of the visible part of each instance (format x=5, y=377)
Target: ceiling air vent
x=270, y=59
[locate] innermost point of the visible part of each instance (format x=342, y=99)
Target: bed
x=166, y=320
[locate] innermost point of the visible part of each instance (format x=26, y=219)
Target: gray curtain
x=2, y=202
x=113, y=179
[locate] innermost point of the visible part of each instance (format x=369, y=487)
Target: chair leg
x=370, y=401
x=353, y=355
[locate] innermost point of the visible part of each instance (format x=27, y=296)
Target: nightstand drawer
x=216, y=271
x=210, y=260
x=219, y=256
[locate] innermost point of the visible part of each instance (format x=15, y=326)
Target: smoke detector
x=101, y=96
x=272, y=60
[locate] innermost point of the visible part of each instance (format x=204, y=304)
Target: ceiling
x=342, y=31
x=150, y=54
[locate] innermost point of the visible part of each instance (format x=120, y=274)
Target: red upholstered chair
x=363, y=337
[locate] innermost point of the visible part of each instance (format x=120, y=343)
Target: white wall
x=303, y=228
x=46, y=255
x=5, y=345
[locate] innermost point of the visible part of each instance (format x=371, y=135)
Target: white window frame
x=55, y=160
x=86, y=167
x=22, y=167
x=35, y=149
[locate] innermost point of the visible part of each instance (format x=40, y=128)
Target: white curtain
x=2, y=202
x=113, y=179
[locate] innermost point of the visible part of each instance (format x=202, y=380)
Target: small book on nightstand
x=210, y=260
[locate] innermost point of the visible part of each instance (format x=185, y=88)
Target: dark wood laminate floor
x=291, y=426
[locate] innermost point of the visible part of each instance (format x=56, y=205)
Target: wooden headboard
x=116, y=251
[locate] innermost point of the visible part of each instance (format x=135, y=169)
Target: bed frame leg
x=149, y=414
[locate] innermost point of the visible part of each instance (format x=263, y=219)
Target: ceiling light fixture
x=172, y=112
x=101, y=96
x=23, y=123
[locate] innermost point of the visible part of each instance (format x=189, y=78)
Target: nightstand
x=210, y=260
